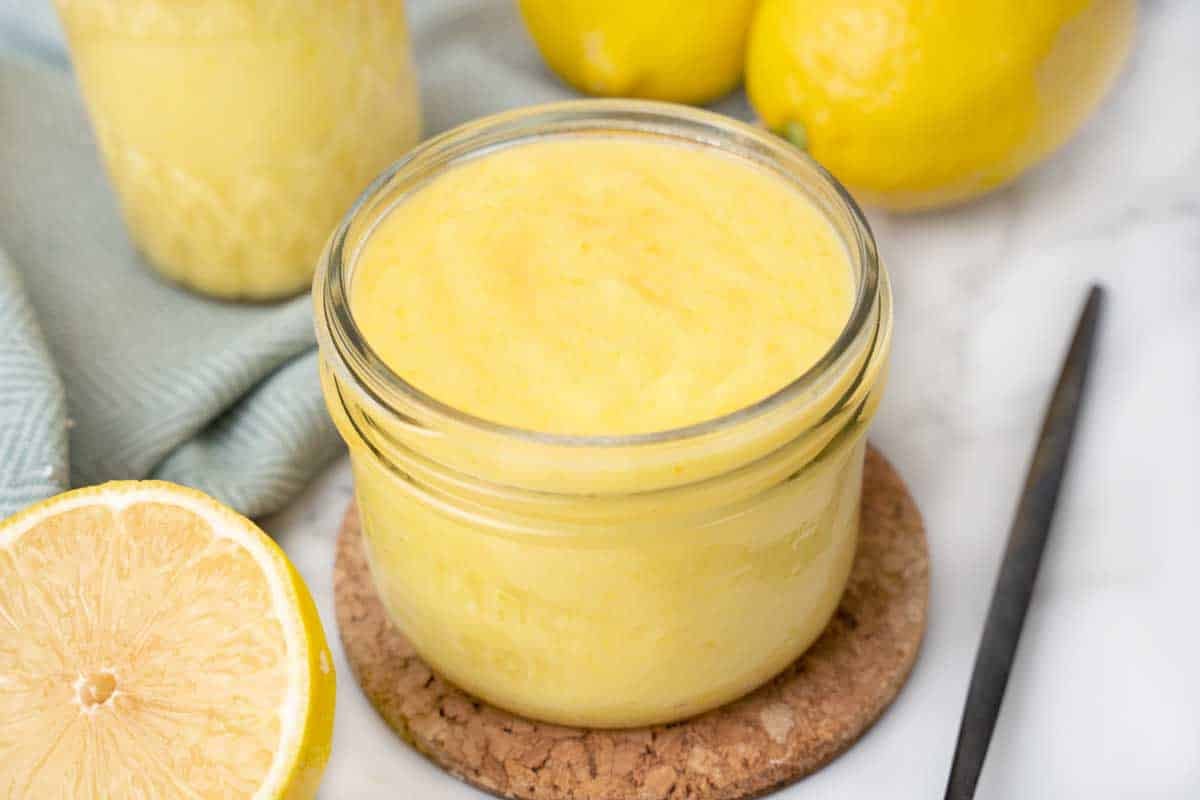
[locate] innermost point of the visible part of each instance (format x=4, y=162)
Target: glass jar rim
x=338, y=331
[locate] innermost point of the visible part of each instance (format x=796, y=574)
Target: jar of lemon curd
x=238, y=132
x=655, y=543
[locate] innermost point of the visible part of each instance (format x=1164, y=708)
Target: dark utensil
x=1026, y=541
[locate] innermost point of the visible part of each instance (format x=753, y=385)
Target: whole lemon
x=921, y=103
x=677, y=50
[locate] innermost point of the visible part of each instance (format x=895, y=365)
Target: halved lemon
x=156, y=644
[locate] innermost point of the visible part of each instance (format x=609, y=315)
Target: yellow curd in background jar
x=605, y=370
x=238, y=132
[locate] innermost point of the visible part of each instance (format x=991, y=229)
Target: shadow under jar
x=608, y=580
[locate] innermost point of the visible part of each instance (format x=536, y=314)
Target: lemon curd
x=603, y=286
x=605, y=371
x=238, y=132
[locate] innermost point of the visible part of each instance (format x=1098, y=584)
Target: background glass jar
x=608, y=581
x=236, y=133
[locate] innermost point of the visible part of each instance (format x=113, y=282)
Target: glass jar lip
x=338, y=331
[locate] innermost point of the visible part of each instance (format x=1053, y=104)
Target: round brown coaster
x=785, y=730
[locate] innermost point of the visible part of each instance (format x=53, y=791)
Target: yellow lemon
x=154, y=643
x=921, y=103
x=677, y=50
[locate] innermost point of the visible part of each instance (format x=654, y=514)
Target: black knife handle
x=1023, y=555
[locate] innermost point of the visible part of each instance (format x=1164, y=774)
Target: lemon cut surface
x=156, y=644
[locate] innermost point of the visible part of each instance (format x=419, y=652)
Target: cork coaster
x=783, y=731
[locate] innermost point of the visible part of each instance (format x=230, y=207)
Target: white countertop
x=1105, y=698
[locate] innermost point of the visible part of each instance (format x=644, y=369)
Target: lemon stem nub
x=796, y=133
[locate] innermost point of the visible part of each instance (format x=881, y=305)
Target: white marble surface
x=1105, y=700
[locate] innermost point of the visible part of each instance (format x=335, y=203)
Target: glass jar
x=621, y=580
x=238, y=132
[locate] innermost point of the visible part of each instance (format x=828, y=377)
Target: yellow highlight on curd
x=592, y=294
x=238, y=132
x=603, y=286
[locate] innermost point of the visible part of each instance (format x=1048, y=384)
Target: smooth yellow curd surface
x=608, y=285
x=238, y=132
x=603, y=286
